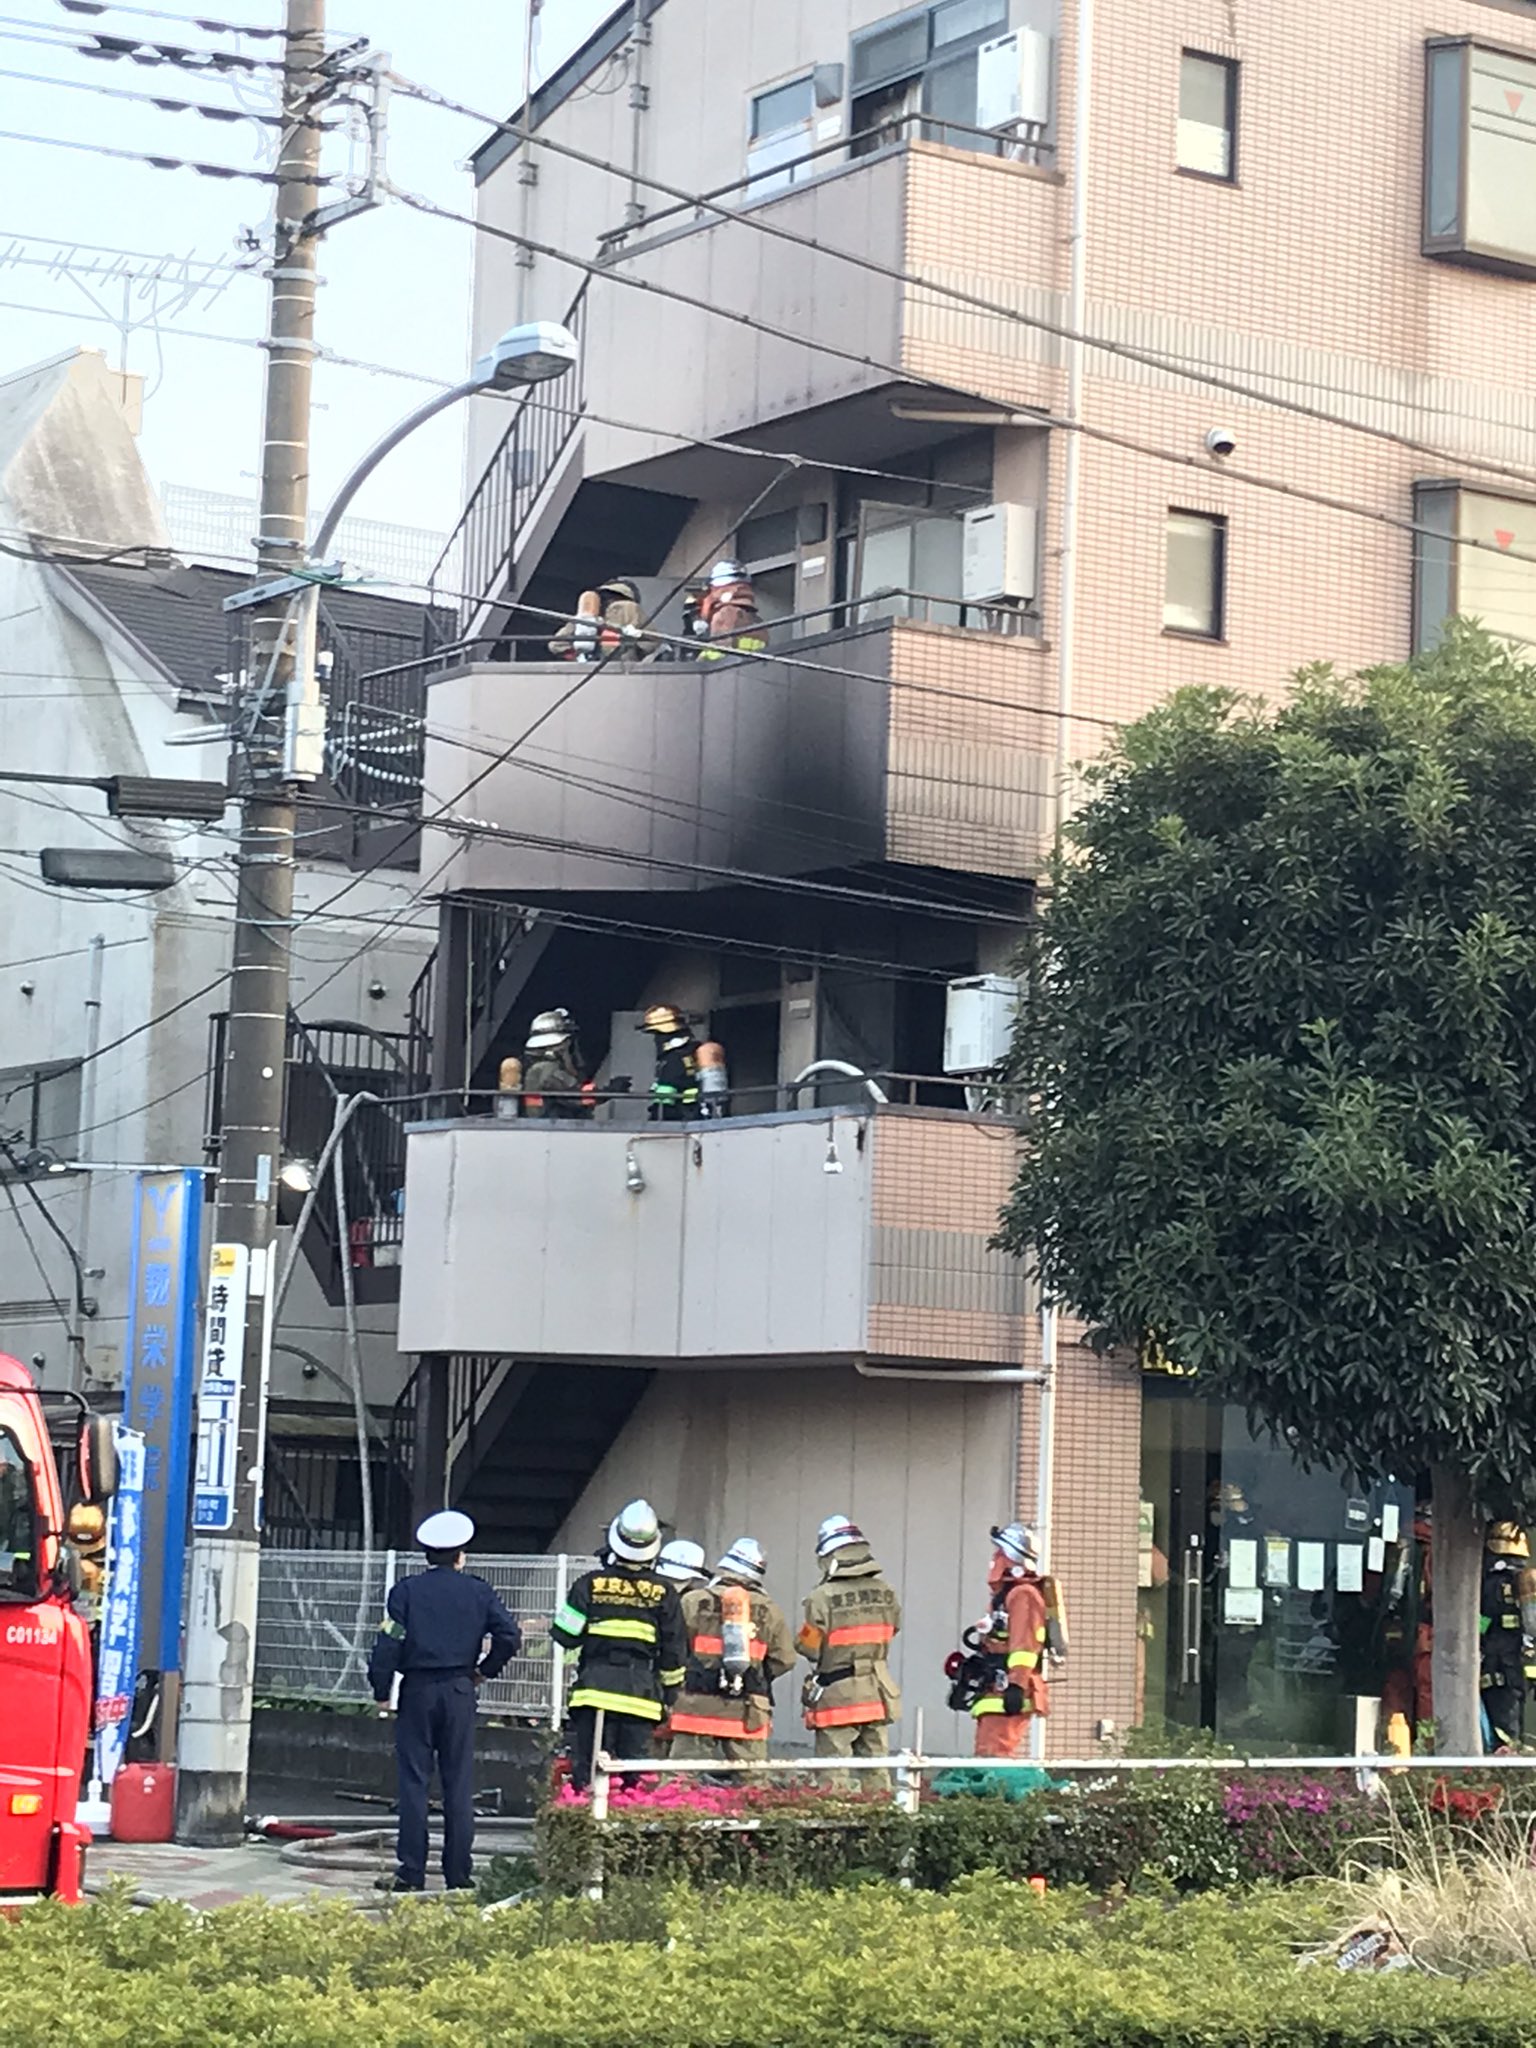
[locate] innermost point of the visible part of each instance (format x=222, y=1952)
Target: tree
x=1279, y=1020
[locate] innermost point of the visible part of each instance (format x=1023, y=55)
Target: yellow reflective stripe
x=616, y=1703
x=1028, y=1659
x=993, y=1704
x=624, y=1631
x=673, y=1677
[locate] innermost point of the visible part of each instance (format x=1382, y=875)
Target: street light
x=535, y=353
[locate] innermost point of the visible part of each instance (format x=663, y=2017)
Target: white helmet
x=1017, y=1542
x=836, y=1533
x=634, y=1534
x=744, y=1560
x=681, y=1562
x=726, y=571
x=549, y=1029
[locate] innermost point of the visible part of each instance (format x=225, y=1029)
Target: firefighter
x=552, y=1082
x=1508, y=1651
x=1013, y=1639
x=625, y=1623
x=739, y=1647
x=683, y=1563
x=675, y=1088
x=608, y=622
x=87, y=1533
x=1407, y=1634
x=433, y=1637
x=728, y=613
x=851, y=1619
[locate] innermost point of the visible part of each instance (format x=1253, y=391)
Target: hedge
x=987, y=1965
x=1197, y=1832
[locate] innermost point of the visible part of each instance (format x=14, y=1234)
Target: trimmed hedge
x=987, y=1965
x=1196, y=1833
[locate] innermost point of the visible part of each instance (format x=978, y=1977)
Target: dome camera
x=1221, y=441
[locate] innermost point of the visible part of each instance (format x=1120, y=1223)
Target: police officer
x=434, y=1635
x=624, y=1621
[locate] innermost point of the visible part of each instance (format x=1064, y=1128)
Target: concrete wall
x=924, y=1470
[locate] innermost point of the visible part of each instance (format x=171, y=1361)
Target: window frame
x=1457, y=245
x=938, y=56
x=779, y=177
x=1220, y=526
x=33, y=1077
x=1232, y=69
x=15, y=1595
x=1439, y=555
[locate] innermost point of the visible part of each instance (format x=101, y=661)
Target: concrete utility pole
x=221, y=1627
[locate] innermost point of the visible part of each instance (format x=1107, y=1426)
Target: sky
x=396, y=284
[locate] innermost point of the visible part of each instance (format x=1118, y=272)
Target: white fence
x=320, y=1611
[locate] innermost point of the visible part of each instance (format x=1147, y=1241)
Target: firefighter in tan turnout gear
x=683, y=1563
x=851, y=1620
x=739, y=1646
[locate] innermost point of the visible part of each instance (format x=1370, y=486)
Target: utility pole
x=215, y=1720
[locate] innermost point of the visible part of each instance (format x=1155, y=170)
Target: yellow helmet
x=663, y=1019
x=1507, y=1539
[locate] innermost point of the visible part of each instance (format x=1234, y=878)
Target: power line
x=42, y=1271
x=142, y=49
x=165, y=103
x=158, y=163
x=68, y=953
x=250, y=30
x=1169, y=365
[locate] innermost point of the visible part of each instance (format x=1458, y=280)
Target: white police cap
x=446, y=1530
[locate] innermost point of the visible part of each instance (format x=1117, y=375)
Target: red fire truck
x=45, y=1644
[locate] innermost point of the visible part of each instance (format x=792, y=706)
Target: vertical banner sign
x=118, y=1660
x=218, y=1390
x=159, y=1359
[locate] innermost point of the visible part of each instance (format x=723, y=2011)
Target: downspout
x=86, y=1138
x=1077, y=297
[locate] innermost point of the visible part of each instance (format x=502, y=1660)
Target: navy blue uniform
x=433, y=1634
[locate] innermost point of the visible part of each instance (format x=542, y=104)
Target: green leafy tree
x=1280, y=1022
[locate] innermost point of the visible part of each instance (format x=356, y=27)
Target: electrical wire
x=68, y=953
x=166, y=104
x=37, y=1259
x=158, y=163
x=1169, y=365
x=211, y=27
x=142, y=49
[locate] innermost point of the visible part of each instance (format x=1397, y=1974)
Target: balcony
x=976, y=223
x=849, y=1235
x=893, y=740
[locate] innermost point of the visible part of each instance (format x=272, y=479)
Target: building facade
x=1031, y=376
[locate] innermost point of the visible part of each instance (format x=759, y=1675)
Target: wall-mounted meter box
x=999, y=561
x=1013, y=80
x=979, y=1014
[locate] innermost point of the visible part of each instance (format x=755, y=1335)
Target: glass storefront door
x=1260, y=1585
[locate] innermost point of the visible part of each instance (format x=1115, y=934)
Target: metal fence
x=320, y=1611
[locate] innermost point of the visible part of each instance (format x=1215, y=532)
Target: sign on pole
x=218, y=1390
x=118, y=1658
x=157, y=1392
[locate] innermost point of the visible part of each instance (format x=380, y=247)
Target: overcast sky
x=396, y=284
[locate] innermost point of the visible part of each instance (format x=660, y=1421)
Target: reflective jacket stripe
x=992, y=1703
x=879, y=1632
x=686, y=1722
x=714, y=1646
x=616, y=1703
x=624, y=1631
x=846, y=1716
x=1027, y=1660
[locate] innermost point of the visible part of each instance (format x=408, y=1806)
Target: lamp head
x=530, y=354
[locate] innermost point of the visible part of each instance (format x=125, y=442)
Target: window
x=1207, y=116
x=922, y=63
x=1195, y=574
x=40, y=1107
x=1491, y=583
x=18, y=1523
x=779, y=132
x=1480, y=157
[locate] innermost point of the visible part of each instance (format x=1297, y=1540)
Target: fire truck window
x=18, y=1523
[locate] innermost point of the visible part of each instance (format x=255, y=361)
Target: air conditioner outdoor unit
x=999, y=561
x=1013, y=81
x=978, y=1022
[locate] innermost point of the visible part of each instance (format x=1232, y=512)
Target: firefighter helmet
x=836, y=1533
x=1017, y=1542
x=744, y=1560
x=634, y=1534
x=549, y=1029
x=1507, y=1539
x=726, y=571
x=681, y=1562
x=663, y=1019
x=620, y=586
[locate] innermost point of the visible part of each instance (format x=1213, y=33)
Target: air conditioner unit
x=1013, y=81
x=999, y=561
x=978, y=1022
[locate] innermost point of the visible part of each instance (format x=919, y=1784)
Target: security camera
x=29, y=988
x=1221, y=441
x=377, y=990
x=39, y=1360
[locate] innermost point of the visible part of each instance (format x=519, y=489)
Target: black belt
x=836, y=1677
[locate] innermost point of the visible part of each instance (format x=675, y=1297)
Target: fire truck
x=45, y=1643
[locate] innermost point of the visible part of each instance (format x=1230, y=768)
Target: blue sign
x=158, y=1377
x=117, y=1661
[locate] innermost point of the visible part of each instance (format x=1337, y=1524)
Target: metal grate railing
x=320, y=1610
